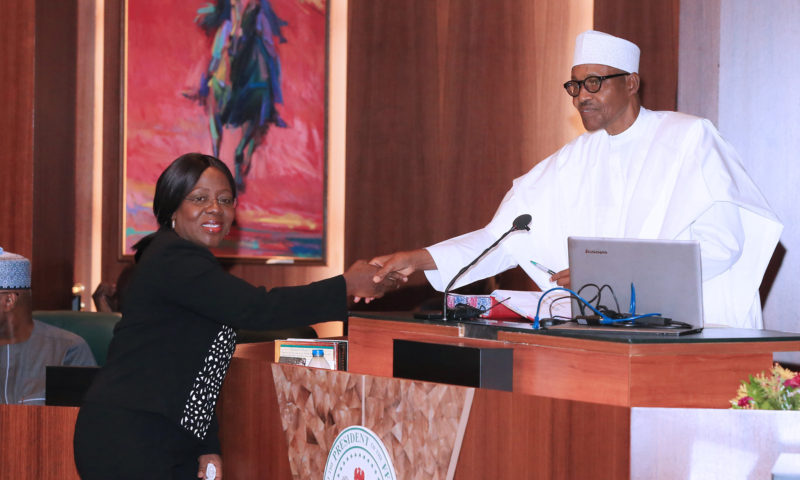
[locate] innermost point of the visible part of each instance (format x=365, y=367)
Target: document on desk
x=554, y=305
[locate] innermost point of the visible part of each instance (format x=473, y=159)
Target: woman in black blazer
x=150, y=411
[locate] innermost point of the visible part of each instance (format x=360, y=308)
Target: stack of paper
x=299, y=351
x=554, y=305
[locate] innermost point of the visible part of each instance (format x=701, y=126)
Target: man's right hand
x=402, y=264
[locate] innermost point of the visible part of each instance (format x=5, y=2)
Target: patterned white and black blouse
x=199, y=408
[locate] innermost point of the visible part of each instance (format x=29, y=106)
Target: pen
x=543, y=268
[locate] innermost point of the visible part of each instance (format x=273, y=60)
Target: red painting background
x=282, y=211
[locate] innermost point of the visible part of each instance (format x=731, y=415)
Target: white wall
x=740, y=67
x=698, y=443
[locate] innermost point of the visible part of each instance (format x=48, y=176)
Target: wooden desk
x=507, y=435
x=568, y=417
x=701, y=371
x=36, y=442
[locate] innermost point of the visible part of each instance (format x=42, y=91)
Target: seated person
x=27, y=346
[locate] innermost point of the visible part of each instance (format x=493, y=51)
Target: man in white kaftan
x=636, y=173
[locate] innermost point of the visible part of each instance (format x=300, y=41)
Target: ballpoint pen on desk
x=543, y=268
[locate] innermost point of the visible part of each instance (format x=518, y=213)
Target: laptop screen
x=666, y=276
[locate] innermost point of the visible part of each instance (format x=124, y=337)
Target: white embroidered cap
x=603, y=49
x=15, y=271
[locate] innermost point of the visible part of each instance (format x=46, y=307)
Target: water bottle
x=318, y=359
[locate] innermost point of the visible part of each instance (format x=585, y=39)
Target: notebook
x=666, y=277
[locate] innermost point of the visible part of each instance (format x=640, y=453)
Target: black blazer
x=172, y=346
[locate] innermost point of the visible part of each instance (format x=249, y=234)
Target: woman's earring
x=173, y=224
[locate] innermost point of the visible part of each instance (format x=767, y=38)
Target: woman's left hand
x=204, y=460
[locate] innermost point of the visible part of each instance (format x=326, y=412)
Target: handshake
x=363, y=282
x=388, y=272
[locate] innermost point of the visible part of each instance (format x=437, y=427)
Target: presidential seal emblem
x=358, y=454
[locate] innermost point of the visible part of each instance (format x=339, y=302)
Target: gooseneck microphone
x=522, y=222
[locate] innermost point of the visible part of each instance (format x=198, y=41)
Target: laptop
x=667, y=284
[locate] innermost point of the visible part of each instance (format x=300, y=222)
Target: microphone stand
x=520, y=223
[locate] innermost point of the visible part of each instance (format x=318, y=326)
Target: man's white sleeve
x=454, y=254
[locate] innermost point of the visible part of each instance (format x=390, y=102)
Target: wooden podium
x=424, y=426
x=569, y=415
x=695, y=371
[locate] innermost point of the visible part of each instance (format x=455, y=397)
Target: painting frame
x=271, y=233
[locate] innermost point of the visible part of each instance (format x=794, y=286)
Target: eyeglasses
x=204, y=201
x=592, y=84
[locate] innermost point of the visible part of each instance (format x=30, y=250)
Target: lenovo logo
x=596, y=252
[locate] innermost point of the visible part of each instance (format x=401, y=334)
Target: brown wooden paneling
x=256, y=350
x=508, y=435
x=112, y=265
x=563, y=372
x=538, y=369
x=54, y=154
x=17, y=45
x=448, y=102
x=251, y=434
x=561, y=439
x=37, y=442
x=752, y=345
x=37, y=142
x=668, y=374
x=371, y=347
x=692, y=381
x=653, y=26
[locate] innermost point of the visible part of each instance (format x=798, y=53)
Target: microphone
x=522, y=222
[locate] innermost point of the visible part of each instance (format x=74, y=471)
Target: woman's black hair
x=174, y=183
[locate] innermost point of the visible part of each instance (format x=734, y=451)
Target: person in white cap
x=635, y=173
x=27, y=346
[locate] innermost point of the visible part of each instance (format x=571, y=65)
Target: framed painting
x=245, y=81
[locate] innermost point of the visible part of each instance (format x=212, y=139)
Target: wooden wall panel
x=17, y=45
x=37, y=142
x=112, y=265
x=447, y=103
x=653, y=26
x=54, y=154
